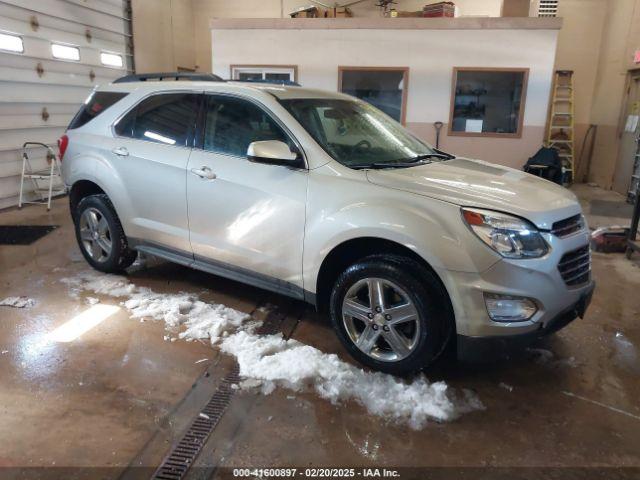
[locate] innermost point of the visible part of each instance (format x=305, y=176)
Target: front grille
x=564, y=228
x=575, y=266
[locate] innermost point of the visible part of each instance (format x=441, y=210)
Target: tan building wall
x=183, y=34
x=516, y=8
x=620, y=39
x=597, y=42
x=163, y=35
x=579, y=44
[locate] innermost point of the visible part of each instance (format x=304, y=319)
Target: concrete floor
x=120, y=395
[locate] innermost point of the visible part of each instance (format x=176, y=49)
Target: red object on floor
x=610, y=239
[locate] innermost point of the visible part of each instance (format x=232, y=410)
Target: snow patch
x=269, y=361
x=201, y=320
x=18, y=302
x=273, y=361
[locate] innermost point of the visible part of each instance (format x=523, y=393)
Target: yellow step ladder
x=560, y=131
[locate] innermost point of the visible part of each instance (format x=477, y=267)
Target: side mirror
x=273, y=152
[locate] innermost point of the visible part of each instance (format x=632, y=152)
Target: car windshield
x=359, y=135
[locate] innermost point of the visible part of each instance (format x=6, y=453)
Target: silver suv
x=324, y=198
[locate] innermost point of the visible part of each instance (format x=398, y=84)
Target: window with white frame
x=269, y=73
x=111, y=59
x=11, y=43
x=65, y=52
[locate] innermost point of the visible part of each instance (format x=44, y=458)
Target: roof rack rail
x=191, y=76
x=288, y=83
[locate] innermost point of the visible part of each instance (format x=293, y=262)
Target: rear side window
x=96, y=104
x=165, y=118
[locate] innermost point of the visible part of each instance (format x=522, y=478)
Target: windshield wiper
x=405, y=163
x=441, y=155
x=381, y=165
x=447, y=156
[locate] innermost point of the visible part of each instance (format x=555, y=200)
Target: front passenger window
x=232, y=124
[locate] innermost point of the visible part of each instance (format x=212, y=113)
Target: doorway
x=623, y=179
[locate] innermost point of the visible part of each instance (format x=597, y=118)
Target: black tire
x=120, y=256
x=423, y=288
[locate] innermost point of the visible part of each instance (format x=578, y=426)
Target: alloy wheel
x=95, y=235
x=381, y=319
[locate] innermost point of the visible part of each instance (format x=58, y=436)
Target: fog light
x=505, y=308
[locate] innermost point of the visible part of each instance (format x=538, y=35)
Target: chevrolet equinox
x=322, y=197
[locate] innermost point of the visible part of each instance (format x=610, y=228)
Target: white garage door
x=52, y=53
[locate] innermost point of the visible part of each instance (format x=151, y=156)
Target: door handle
x=204, y=172
x=121, y=152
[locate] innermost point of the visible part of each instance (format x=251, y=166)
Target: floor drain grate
x=180, y=459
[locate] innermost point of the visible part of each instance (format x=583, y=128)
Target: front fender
x=433, y=229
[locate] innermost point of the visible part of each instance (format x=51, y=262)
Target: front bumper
x=538, y=279
x=482, y=348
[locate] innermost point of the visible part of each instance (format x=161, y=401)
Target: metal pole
x=631, y=241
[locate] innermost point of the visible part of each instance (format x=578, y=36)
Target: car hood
x=474, y=183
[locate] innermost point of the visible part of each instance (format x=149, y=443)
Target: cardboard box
x=439, y=15
x=306, y=12
x=339, y=12
x=305, y=15
x=440, y=9
x=402, y=14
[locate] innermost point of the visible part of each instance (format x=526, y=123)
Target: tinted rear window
x=97, y=104
x=167, y=118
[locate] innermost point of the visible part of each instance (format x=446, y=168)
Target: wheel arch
x=86, y=186
x=355, y=249
x=82, y=189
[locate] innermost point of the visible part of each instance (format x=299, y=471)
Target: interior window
x=232, y=124
x=256, y=73
x=166, y=118
x=277, y=76
x=249, y=76
x=384, y=89
x=488, y=102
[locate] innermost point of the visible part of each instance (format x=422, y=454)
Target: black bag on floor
x=546, y=163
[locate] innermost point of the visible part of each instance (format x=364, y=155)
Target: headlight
x=510, y=236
